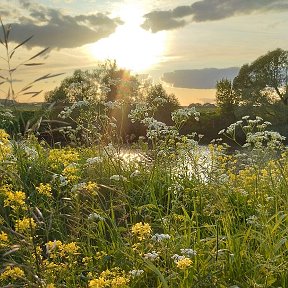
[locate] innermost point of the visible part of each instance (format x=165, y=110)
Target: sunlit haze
x=131, y=46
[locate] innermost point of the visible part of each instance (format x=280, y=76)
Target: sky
x=186, y=45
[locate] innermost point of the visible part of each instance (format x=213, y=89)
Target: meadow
x=168, y=215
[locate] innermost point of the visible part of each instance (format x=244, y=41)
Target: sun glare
x=131, y=46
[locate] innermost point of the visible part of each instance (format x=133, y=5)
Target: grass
x=86, y=217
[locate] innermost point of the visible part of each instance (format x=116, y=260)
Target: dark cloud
x=199, y=78
x=50, y=27
x=164, y=20
x=208, y=10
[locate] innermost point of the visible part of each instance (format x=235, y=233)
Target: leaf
x=25, y=88
x=47, y=76
x=22, y=43
x=38, y=54
x=34, y=93
x=33, y=64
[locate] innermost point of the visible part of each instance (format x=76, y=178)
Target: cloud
x=199, y=78
x=208, y=10
x=50, y=27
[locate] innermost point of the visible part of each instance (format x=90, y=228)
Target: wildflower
x=4, y=240
x=15, y=200
x=91, y=161
x=25, y=224
x=44, y=189
x=50, y=285
x=183, y=114
x=135, y=273
x=184, y=263
x=188, y=252
x=97, y=283
x=71, y=172
x=5, y=147
x=62, y=157
x=95, y=216
x=69, y=248
x=151, y=256
x=160, y=237
x=119, y=281
x=141, y=230
x=177, y=257
x=12, y=273
x=30, y=152
x=118, y=178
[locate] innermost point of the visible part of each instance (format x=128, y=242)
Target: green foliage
x=106, y=82
x=226, y=97
x=178, y=215
x=264, y=80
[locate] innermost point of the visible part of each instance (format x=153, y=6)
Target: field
x=166, y=215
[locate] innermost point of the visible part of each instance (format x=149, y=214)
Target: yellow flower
x=91, y=187
x=141, y=230
x=44, y=189
x=70, y=172
x=4, y=240
x=12, y=272
x=25, y=225
x=62, y=157
x=3, y=237
x=15, y=200
x=5, y=148
x=51, y=285
x=70, y=248
x=184, y=263
x=97, y=283
x=119, y=281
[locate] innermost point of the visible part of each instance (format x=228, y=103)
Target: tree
x=265, y=80
x=107, y=82
x=166, y=103
x=226, y=98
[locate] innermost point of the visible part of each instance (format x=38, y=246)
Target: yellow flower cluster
x=62, y=157
x=111, y=279
x=5, y=148
x=12, y=273
x=91, y=187
x=57, y=248
x=24, y=225
x=15, y=200
x=4, y=240
x=71, y=173
x=184, y=263
x=44, y=189
x=141, y=230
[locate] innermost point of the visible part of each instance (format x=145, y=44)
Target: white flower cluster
x=95, y=217
x=141, y=111
x=183, y=114
x=93, y=160
x=62, y=179
x=118, y=178
x=151, y=256
x=66, y=112
x=160, y=237
x=136, y=273
x=188, y=252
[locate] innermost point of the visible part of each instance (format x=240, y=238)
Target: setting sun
x=131, y=46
